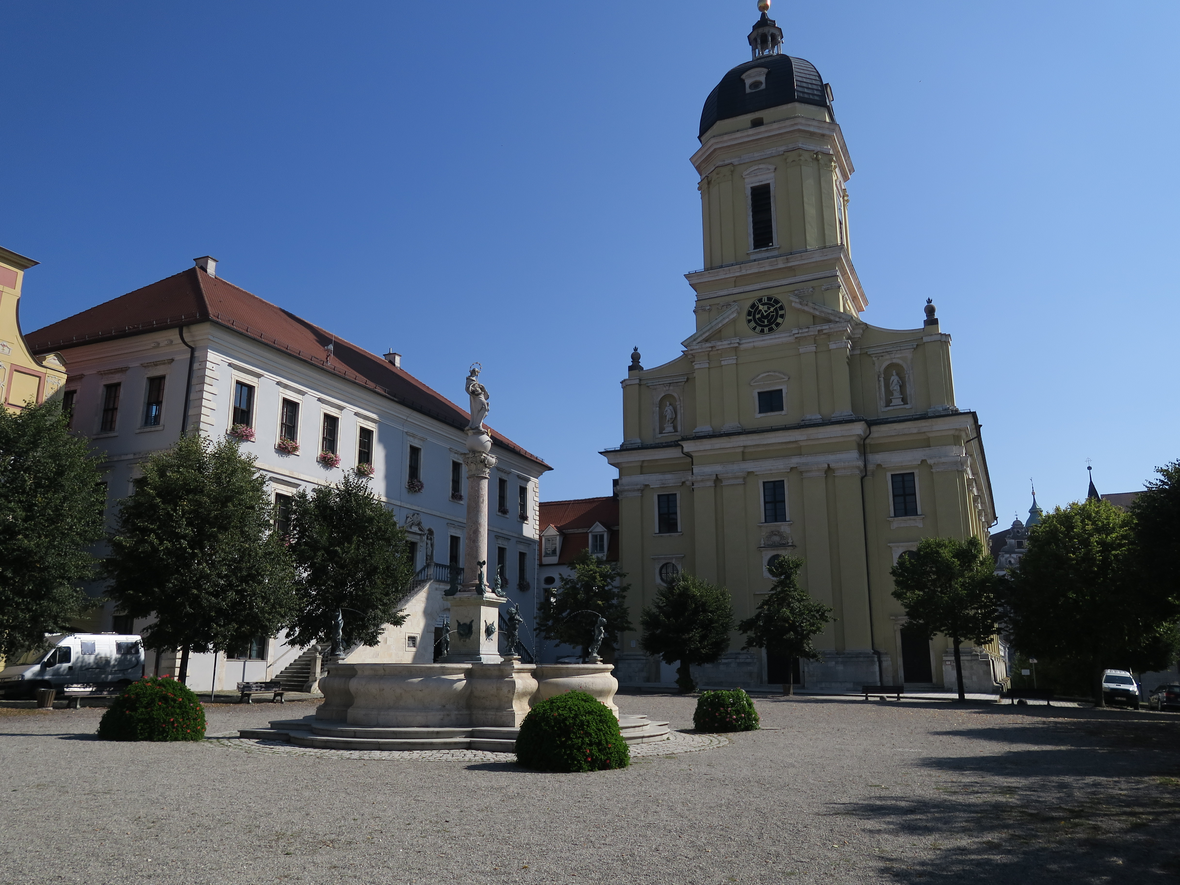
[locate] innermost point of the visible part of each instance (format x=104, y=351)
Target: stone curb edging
x=678, y=742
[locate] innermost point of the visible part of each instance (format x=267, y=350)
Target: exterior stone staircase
x=303, y=673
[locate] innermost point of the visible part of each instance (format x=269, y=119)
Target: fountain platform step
x=328, y=735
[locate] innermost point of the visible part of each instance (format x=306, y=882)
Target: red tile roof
x=580, y=514
x=193, y=296
x=574, y=519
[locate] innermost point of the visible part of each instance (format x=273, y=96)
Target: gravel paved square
x=832, y=790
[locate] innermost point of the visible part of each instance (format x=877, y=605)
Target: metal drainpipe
x=864, y=522
x=188, y=384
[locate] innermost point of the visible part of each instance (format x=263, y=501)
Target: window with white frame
x=904, y=489
x=243, y=409
x=330, y=434
x=598, y=543
x=289, y=420
x=668, y=514
x=67, y=407
x=364, y=446
x=770, y=401
x=549, y=545
x=522, y=570
x=283, y=514
x=774, y=500
x=456, y=481
x=153, y=407
x=110, y=407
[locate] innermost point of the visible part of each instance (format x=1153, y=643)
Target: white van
x=106, y=661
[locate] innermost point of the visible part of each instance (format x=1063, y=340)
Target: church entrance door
x=915, y=657
x=781, y=669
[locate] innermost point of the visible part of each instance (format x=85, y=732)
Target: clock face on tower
x=766, y=314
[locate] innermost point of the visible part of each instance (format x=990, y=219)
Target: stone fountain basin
x=454, y=695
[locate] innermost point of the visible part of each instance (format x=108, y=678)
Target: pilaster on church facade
x=789, y=425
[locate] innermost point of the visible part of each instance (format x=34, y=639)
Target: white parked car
x=1120, y=687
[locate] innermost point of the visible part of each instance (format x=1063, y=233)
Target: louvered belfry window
x=761, y=217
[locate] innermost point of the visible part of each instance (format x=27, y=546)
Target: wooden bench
x=74, y=692
x=248, y=689
x=883, y=691
x=1030, y=694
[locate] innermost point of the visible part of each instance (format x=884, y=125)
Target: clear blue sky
x=509, y=183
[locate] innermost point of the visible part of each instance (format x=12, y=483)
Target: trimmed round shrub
x=154, y=710
x=571, y=732
x=719, y=711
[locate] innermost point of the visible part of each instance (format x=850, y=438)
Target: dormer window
x=755, y=79
x=598, y=540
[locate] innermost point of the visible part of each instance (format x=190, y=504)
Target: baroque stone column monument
x=474, y=697
x=475, y=609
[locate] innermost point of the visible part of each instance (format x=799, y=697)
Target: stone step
x=264, y=734
x=311, y=732
x=493, y=746
x=348, y=743
x=384, y=733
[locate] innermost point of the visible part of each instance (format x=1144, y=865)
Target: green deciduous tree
x=1080, y=595
x=51, y=507
x=353, y=562
x=195, y=548
x=689, y=622
x=786, y=620
x=595, y=586
x=948, y=586
x=1157, y=537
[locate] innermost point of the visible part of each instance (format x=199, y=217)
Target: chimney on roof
x=395, y=359
x=207, y=263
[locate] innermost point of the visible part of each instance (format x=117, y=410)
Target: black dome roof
x=788, y=79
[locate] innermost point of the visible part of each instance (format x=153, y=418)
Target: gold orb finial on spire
x=764, y=5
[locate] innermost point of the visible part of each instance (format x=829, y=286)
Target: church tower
x=789, y=426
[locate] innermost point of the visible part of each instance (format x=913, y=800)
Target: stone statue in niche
x=669, y=417
x=895, y=392
x=479, y=399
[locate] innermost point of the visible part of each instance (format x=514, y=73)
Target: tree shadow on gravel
x=1032, y=836
x=1076, y=800
x=497, y=767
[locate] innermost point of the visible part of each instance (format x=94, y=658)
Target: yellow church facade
x=24, y=379
x=788, y=425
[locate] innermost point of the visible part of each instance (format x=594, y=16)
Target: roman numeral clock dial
x=766, y=314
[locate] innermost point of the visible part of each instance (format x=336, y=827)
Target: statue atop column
x=475, y=599
x=479, y=399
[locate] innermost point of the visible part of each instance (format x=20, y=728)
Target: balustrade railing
x=443, y=572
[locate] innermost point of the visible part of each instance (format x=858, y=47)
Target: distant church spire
x=1034, y=512
x=766, y=38
x=1092, y=493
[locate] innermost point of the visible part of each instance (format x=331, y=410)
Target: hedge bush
x=719, y=711
x=571, y=732
x=154, y=710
